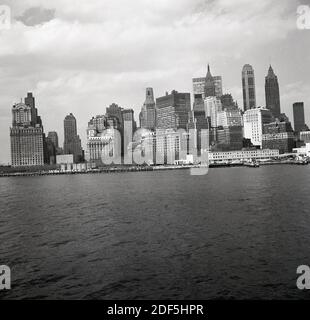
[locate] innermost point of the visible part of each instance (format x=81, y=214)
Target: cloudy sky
x=81, y=56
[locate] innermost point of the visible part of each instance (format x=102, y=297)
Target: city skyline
x=86, y=91
x=116, y=113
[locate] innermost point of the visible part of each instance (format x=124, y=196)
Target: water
x=236, y=233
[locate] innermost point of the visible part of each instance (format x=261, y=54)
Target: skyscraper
x=272, y=93
x=248, y=87
x=72, y=142
x=172, y=110
x=28, y=145
x=299, y=116
x=147, y=114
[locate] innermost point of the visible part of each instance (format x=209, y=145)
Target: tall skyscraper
x=147, y=115
x=172, y=110
x=248, y=87
x=72, y=141
x=299, y=116
x=272, y=93
x=28, y=145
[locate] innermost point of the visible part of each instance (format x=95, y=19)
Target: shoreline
x=142, y=169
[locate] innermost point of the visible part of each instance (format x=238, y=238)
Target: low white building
x=64, y=159
x=243, y=155
x=303, y=151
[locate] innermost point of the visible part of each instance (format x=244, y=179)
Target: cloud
x=36, y=16
x=84, y=57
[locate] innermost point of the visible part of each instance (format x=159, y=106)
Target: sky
x=82, y=56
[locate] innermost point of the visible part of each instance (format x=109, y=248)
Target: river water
x=235, y=233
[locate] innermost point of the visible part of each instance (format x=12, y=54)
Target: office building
x=278, y=135
x=172, y=110
x=253, y=122
x=229, y=130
